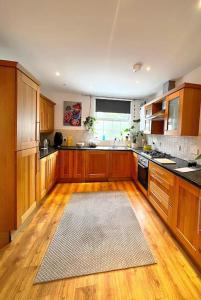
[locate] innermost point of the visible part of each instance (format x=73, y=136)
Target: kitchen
x=100, y=183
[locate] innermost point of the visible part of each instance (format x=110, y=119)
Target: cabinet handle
x=37, y=131
x=199, y=217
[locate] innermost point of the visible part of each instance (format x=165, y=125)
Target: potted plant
x=89, y=123
x=135, y=134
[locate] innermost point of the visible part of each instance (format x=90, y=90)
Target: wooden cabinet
x=19, y=122
x=97, y=165
x=153, y=126
x=72, y=165
x=43, y=186
x=186, y=220
x=46, y=114
x=183, y=112
x=134, y=166
x=161, y=191
x=119, y=165
x=26, y=183
x=48, y=173
x=27, y=112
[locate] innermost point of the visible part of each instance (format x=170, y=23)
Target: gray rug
x=98, y=232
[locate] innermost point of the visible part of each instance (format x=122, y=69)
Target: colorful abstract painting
x=72, y=113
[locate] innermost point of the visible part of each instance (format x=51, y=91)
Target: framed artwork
x=72, y=113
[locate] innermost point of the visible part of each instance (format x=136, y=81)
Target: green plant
x=134, y=131
x=89, y=123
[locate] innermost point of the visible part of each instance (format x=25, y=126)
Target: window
x=113, y=117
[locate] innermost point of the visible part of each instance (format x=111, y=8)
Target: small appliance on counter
x=45, y=144
x=58, y=139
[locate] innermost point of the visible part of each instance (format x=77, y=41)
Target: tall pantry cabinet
x=19, y=141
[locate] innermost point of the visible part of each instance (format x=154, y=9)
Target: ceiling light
x=57, y=74
x=137, y=82
x=199, y=5
x=148, y=68
x=137, y=67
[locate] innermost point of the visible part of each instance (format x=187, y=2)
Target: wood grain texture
x=119, y=165
x=172, y=278
x=26, y=182
x=27, y=112
x=161, y=191
x=8, y=146
x=97, y=165
x=46, y=115
x=189, y=112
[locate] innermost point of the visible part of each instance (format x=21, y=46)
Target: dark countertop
x=109, y=148
x=46, y=152
x=193, y=177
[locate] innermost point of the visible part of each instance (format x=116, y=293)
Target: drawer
x=163, y=176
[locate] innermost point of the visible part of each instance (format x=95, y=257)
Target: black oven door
x=143, y=175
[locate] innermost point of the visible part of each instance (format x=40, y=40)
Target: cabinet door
x=43, y=177
x=186, y=210
x=66, y=164
x=120, y=164
x=27, y=112
x=134, y=166
x=43, y=116
x=199, y=232
x=79, y=164
x=97, y=165
x=26, y=183
x=46, y=115
x=50, y=117
x=173, y=113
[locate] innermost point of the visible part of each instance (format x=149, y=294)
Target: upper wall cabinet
x=46, y=114
x=182, y=112
x=176, y=113
x=154, y=118
x=27, y=112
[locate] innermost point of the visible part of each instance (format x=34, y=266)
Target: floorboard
x=174, y=277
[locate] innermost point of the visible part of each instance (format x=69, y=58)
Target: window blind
x=113, y=106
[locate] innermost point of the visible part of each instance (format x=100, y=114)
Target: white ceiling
x=94, y=43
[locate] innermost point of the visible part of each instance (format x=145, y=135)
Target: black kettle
x=58, y=139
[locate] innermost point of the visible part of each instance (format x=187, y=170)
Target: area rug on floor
x=98, y=232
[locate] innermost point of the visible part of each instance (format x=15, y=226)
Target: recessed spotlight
x=148, y=68
x=57, y=74
x=137, y=82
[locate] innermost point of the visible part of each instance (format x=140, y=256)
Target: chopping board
x=164, y=161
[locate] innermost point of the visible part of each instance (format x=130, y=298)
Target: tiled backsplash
x=183, y=147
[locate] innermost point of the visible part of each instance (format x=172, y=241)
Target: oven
x=143, y=171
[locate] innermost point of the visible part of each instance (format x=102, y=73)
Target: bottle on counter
x=69, y=141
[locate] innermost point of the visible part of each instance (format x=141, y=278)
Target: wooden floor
x=173, y=277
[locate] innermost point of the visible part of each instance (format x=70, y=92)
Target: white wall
x=59, y=98
x=192, y=77
x=78, y=133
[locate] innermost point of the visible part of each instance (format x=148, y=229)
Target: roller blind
x=113, y=106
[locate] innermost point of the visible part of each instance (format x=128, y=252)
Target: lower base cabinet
x=187, y=218
x=94, y=165
x=48, y=173
x=71, y=165
x=97, y=165
x=178, y=202
x=26, y=183
x=119, y=165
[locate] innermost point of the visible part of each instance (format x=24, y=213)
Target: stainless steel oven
x=143, y=171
